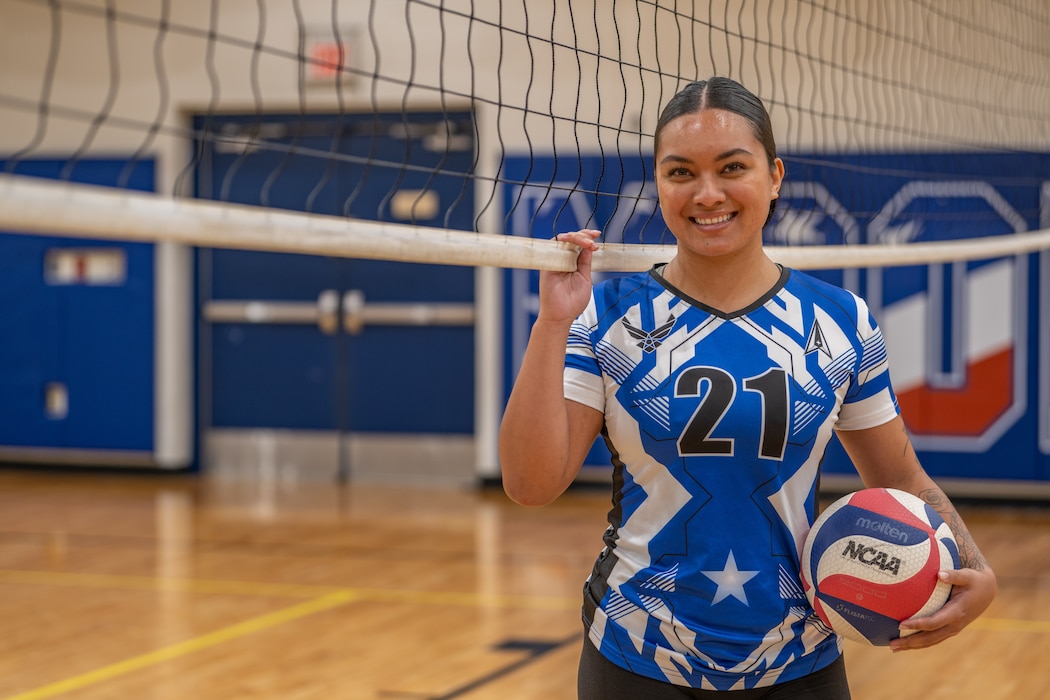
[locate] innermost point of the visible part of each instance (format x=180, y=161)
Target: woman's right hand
x=565, y=295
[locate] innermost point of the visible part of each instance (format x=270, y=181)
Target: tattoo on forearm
x=969, y=555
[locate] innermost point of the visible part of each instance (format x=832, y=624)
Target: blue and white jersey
x=717, y=426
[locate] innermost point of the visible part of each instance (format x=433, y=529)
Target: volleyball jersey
x=717, y=425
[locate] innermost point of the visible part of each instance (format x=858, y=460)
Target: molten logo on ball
x=871, y=561
x=884, y=528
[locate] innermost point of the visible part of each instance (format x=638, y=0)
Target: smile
x=713, y=220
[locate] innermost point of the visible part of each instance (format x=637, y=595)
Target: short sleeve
x=583, y=375
x=870, y=400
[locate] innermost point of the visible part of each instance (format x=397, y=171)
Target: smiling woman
x=717, y=186
x=285, y=143
x=718, y=178
x=717, y=381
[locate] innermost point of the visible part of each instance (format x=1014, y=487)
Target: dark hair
x=721, y=93
x=727, y=94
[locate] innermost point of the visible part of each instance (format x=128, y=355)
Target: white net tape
x=41, y=206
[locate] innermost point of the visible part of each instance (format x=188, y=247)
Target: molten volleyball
x=871, y=561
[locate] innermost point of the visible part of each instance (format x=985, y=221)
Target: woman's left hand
x=972, y=593
x=884, y=457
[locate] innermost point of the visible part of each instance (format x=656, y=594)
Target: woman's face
x=715, y=183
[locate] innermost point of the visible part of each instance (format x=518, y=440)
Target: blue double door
x=324, y=345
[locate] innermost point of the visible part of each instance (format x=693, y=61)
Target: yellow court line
x=241, y=629
x=331, y=598
x=251, y=588
x=150, y=583
x=291, y=590
x=996, y=624
x=474, y=600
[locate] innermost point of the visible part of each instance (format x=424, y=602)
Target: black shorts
x=601, y=679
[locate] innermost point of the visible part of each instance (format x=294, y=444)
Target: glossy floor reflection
x=152, y=586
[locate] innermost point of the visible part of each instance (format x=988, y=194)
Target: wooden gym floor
x=173, y=587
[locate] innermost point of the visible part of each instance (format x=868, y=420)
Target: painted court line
x=329, y=597
x=994, y=624
x=281, y=590
x=320, y=598
x=290, y=590
x=151, y=583
x=241, y=629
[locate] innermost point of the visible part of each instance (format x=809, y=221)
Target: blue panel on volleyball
x=76, y=317
x=877, y=629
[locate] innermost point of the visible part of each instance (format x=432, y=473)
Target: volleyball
x=871, y=561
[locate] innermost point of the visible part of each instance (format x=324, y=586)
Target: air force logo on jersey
x=648, y=341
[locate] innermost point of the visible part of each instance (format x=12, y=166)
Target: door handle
x=324, y=312
x=357, y=313
x=354, y=311
x=328, y=312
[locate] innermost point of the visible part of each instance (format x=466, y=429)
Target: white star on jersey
x=730, y=581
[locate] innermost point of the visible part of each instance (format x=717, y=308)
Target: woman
x=716, y=380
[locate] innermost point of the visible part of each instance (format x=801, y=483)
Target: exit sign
x=327, y=54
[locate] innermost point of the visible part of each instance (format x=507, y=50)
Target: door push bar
x=325, y=312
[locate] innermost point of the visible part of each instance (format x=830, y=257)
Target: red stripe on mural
x=968, y=411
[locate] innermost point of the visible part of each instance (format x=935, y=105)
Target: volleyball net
x=466, y=133
x=530, y=118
